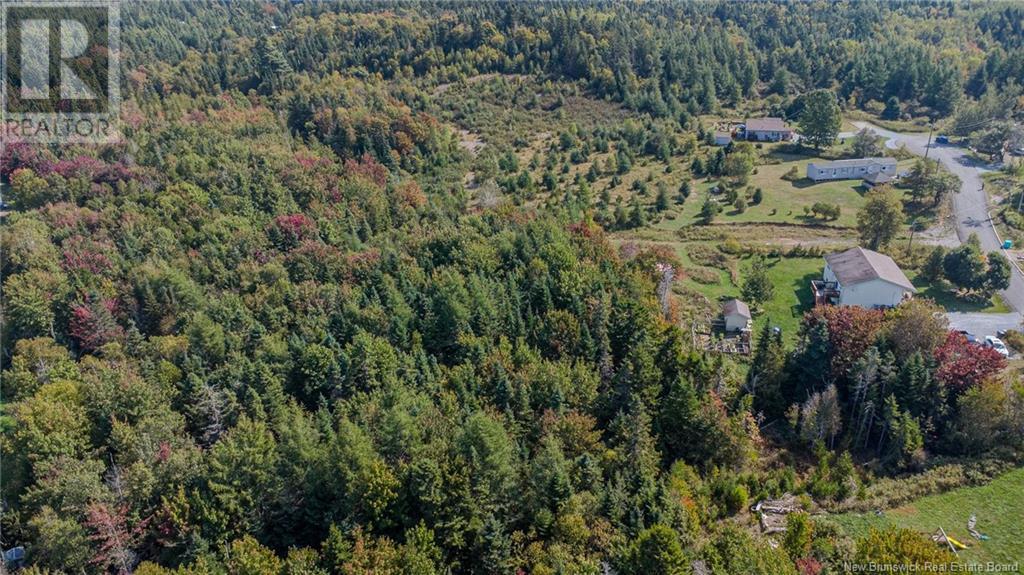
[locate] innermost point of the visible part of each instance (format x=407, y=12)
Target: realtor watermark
x=59, y=63
x=955, y=567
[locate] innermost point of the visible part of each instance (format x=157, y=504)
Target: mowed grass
x=783, y=201
x=942, y=294
x=790, y=300
x=999, y=506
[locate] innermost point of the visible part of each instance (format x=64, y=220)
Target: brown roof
x=766, y=125
x=857, y=265
x=735, y=306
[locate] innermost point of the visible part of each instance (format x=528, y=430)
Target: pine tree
x=758, y=287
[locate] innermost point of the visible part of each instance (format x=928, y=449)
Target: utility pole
x=928, y=146
x=913, y=228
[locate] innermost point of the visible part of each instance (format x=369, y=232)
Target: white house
x=723, y=138
x=736, y=315
x=767, y=130
x=862, y=168
x=863, y=278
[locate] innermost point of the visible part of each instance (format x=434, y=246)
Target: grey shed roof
x=857, y=265
x=736, y=307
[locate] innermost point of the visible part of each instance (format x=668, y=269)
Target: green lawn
x=941, y=294
x=998, y=505
x=791, y=278
x=784, y=201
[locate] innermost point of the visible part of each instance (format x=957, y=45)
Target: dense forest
x=271, y=331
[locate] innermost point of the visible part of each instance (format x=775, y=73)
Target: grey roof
x=878, y=178
x=766, y=125
x=856, y=162
x=723, y=135
x=735, y=306
x=857, y=265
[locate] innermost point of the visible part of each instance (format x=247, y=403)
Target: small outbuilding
x=736, y=315
x=723, y=138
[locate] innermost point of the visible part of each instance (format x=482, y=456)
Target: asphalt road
x=970, y=205
x=982, y=324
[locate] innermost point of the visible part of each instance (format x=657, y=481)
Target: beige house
x=862, y=278
x=874, y=169
x=767, y=130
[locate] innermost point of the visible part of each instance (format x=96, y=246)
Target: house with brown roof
x=863, y=278
x=767, y=130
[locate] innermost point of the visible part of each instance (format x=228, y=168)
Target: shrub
x=799, y=530
x=736, y=499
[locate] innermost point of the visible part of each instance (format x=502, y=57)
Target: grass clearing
x=999, y=506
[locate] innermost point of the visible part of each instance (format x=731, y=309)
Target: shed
x=736, y=315
x=723, y=138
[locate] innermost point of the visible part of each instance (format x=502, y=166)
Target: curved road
x=970, y=205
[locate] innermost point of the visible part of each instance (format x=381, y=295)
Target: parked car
x=942, y=139
x=997, y=344
x=971, y=338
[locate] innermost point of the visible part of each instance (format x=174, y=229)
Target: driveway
x=982, y=324
x=970, y=205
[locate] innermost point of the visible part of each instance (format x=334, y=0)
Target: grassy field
x=999, y=506
x=792, y=297
x=943, y=295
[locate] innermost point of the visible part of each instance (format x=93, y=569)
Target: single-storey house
x=863, y=278
x=851, y=169
x=736, y=315
x=723, y=138
x=767, y=130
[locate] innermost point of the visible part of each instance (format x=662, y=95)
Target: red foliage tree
x=93, y=325
x=963, y=365
x=290, y=230
x=369, y=168
x=808, y=566
x=851, y=330
x=114, y=536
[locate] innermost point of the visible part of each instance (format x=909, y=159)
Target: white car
x=997, y=344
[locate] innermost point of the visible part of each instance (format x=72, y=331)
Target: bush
x=1014, y=339
x=792, y=175
x=736, y=499
x=703, y=275
x=799, y=530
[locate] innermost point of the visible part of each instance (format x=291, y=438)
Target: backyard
x=998, y=505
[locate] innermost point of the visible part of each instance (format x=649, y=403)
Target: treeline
x=664, y=59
